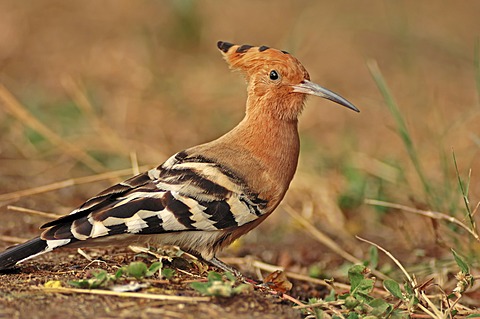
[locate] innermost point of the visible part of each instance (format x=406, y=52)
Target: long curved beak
x=308, y=87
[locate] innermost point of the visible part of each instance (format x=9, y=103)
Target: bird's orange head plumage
x=271, y=75
x=277, y=82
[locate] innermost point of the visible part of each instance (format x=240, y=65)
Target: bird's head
x=278, y=83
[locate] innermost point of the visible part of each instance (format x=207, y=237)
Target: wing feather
x=183, y=194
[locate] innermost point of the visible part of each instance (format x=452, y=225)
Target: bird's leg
x=223, y=266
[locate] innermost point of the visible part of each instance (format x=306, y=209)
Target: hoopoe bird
x=202, y=198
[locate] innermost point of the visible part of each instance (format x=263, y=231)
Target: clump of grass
x=396, y=300
x=464, y=189
x=137, y=270
x=403, y=132
x=220, y=286
x=440, y=195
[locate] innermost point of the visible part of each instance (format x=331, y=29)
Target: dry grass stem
x=16, y=109
x=12, y=239
x=290, y=298
x=127, y=294
x=95, y=261
x=430, y=214
x=321, y=237
x=321, y=303
x=84, y=254
x=186, y=272
x=437, y=314
x=475, y=210
x=77, y=94
x=134, y=161
x=32, y=212
x=67, y=183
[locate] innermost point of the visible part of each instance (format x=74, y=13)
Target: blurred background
x=89, y=87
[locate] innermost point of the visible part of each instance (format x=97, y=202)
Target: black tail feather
x=12, y=256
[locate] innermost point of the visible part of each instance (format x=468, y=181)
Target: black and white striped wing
x=183, y=194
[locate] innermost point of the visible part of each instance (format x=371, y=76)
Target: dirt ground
x=22, y=293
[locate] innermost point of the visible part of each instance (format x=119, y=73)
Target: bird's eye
x=274, y=75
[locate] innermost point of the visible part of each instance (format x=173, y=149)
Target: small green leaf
x=218, y=286
x=408, y=289
x=118, y=274
x=331, y=296
x=100, y=275
x=153, y=269
x=319, y=314
x=393, y=287
x=451, y=296
x=365, y=286
x=100, y=278
x=214, y=276
x=353, y=315
x=168, y=273
x=83, y=283
x=364, y=297
x=461, y=263
x=315, y=271
x=230, y=276
x=351, y=302
x=473, y=315
x=379, y=306
x=355, y=276
x=137, y=269
x=201, y=287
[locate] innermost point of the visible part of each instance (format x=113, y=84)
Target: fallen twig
x=32, y=212
x=327, y=241
x=321, y=237
x=431, y=214
x=12, y=239
x=67, y=183
x=126, y=294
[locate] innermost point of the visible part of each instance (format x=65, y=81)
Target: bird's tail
x=19, y=253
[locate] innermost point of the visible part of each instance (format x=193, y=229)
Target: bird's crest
x=250, y=59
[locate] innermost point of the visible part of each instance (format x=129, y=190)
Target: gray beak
x=308, y=87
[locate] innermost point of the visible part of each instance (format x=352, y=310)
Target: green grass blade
x=464, y=190
x=402, y=129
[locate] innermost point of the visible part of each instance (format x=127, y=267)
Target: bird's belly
x=202, y=243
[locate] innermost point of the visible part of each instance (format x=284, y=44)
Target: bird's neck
x=273, y=144
x=275, y=141
x=262, y=149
